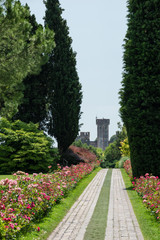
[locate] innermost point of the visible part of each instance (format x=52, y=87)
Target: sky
x=97, y=28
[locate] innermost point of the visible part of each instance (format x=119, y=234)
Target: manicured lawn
x=57, y=213
x=149, y=226
x=6, y=176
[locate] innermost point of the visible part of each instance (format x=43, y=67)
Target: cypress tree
x=65, y=94
x=140, y=92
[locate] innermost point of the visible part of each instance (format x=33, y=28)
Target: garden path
x=121, y=223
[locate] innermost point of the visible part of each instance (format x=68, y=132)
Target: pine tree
x=21, y=53
x=65, y=96
x=140, y=92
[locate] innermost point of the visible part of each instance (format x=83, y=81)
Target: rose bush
x=148, y=187
x=26, y=198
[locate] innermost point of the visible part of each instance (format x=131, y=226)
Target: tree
x=34, y=103
x=140, y=92
x=21, y=53
x=113, y=138
x=65, y=95
x=113, y=153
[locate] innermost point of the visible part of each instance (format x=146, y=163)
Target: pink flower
x=11, y=225
x=7, y=219
x=32, y=204
x=38, y=229
x=29, y=207
x=49, y=167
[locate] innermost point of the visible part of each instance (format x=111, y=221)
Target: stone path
x=121, y=223
x=75, y=222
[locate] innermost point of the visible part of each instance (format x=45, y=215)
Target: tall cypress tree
x=65, y=95
x=140, y=92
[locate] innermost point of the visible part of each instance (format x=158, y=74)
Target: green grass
x=6, y=176
x=54, y=217
x=97, y=225
x=149, y=226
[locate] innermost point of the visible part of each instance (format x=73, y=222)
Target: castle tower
x=102, y=133
x=85, y=137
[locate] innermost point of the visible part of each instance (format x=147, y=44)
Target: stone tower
x=85, y=137
x=102, y=133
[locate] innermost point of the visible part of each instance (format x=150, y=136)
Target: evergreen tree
x=21, y=53
x=65, y=94
x=140, y=92
x=34, y=103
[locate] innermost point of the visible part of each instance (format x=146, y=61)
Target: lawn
x=6, y=176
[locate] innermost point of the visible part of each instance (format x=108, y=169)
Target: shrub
x=128, y=168
x=148, y=187
x=24, y=147
x=75, y=155
x=122, y=161
x=103, y=165
x=97, y=151
x=125, y=151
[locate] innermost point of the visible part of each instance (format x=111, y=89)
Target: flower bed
x=26, y=199
x=148, y=187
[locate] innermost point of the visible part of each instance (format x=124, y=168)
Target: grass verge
x=6, y=176
x=149, y=226
x=57, y=213
x=97, y=226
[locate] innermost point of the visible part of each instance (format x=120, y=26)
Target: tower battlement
x=102, y=121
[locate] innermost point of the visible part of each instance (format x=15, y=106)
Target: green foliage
x=23, y=147
x=140, y=92
x=65, y=94
x=113, y=138
x=121, y=162
x=34, y=103
x=125, y=150
x=22, y=52
x=112, y=153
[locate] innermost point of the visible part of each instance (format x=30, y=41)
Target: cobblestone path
x=121, y=223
